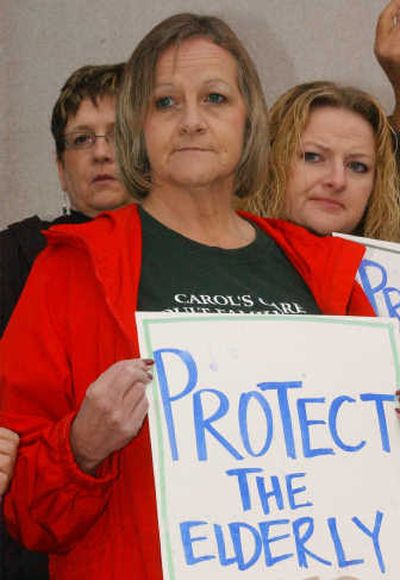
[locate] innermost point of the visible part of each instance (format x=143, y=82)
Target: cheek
x=238, y=132
x=77, y=169
x=229, y=128
x=295, y=187
x=66, y=170
x=69, y=180
x=364, y=196
x=234, y=149
x=148, y=137
x=155, y=141
x=78, y=180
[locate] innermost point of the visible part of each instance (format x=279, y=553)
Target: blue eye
x=311, y=157
x=216, y=98
x=358, y=167
x=164, y=102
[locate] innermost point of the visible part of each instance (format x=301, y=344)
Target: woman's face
x=89, y=176
x=195, y=125
x=332, y=175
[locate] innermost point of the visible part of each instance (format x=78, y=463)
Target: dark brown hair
x=88, y=82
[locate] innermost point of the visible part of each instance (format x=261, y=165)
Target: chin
x=324, y=225
x=105, y=203
x=198, y=174
x=320, y=229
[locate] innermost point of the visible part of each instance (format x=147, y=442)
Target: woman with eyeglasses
x=191, y=138
x=82, y=125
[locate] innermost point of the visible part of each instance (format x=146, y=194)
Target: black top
x=20, y=243
x=180, y=275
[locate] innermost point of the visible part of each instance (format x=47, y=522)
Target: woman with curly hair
x=332, y=166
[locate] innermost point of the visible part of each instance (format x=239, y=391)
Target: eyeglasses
x=87, y=139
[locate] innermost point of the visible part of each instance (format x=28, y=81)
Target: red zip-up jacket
x=75, y=319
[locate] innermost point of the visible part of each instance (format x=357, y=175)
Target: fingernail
x=148, y=361
x=397, y=411
x=149, y=375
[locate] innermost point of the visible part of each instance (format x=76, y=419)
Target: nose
x=192, y=119
x=104, y=148
x=336, y=176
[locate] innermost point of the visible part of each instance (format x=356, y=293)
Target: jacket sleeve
x=51, y=503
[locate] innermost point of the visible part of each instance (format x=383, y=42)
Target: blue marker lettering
x=392, y=308
x=165, y=391
x=369, y=290
x=244, y=402
x=379, y=400
x=241, y=473
x=275, y=493
x=223, y=558
x=293, y=491
x=305, y=425
x=265, y=529
x=282, y=390
x=236, y=529
x=204, y=424
x=333, y=415
x=301, y=538
x=374, y=535
x=188, y=541
x=341, y=557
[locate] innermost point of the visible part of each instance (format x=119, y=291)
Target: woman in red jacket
x=191, y=137
x=83, y=119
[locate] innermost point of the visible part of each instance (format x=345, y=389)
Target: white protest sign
x=379, y=274
x=276, y=446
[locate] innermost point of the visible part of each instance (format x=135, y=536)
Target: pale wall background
x=43, y=41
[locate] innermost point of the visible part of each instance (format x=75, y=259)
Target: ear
x=61, y=175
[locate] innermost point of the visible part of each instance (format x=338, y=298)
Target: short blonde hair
x=137, y=89
x=288, y=119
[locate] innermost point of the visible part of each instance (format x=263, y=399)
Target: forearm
x=52, y=502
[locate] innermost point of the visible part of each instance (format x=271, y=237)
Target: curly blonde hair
x=288, y=119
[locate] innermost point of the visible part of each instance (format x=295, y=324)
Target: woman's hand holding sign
x=112, y=412
x=8, y=452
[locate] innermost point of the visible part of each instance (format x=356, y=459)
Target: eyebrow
x=87, y=127
x=212, y=81
x=311, y=143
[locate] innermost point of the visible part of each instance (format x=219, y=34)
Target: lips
x=103, y=178
x=328, y=203
x=191, y=149
x=184, y=148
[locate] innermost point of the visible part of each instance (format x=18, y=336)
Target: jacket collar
x=113, y=240
x=327, y=264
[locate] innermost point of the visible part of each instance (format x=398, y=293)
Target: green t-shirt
x=180, y=275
